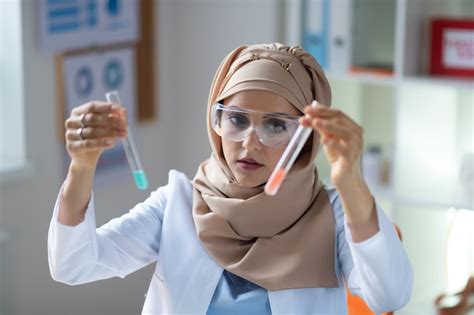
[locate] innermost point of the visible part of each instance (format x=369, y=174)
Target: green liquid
x=140, y=179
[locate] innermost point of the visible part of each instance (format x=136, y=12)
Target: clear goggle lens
x=236, y=124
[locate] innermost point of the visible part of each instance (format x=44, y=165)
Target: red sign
x=452, y=47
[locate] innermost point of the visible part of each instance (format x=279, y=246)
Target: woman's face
x=250, y=161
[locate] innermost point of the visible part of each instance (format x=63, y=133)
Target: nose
x=251, y=142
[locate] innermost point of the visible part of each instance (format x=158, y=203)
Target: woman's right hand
x=92, y=128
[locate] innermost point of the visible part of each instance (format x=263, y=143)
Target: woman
x=222, y=246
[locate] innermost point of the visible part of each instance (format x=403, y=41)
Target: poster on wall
x=88, y=76
x=74, y=24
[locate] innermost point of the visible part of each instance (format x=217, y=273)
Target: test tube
x=130, y=150
x=288, y=158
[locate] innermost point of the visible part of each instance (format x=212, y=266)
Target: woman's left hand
x=343, y=143
x=342, y=139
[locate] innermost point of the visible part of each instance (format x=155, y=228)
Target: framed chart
x=86, y=74
x=143, y=64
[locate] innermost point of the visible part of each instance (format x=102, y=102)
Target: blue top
x=235, y=295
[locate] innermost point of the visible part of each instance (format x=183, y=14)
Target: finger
x=335, y=145
x=100, y=132
x=347, y=146
x=350, y=137
x=330, y=127
x=322, y=111
x=307, y=122
x=330, y=113
x=340, y=120
x=105, y=120
x=94, y=133
x=96, y=107
x=337, y=126
x=90, y=144
x=96, y=120
x=318, y=105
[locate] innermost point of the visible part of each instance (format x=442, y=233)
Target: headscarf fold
x=278, y=242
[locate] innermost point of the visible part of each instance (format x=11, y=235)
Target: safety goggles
x=235, y=124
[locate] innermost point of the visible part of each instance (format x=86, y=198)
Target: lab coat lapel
x=191, y=274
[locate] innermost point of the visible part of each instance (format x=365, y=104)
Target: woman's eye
x=275, y=126
x=238, y=120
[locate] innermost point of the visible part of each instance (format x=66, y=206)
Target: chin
x=250, y=184
x=250, y=180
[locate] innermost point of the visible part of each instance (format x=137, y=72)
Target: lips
x=249, y=160
x=249, y=164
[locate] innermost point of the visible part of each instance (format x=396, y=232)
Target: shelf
x=417, y=16
x=383, y=80
x=379, y=191
x=365, y=78
x=423, y=122
x=443, y=81
x=432, y=204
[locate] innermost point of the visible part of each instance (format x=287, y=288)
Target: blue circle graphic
x=113, y=74
x=113, y=7
x=83, y=82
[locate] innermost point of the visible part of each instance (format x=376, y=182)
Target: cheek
x=274, y=156
x=269, y=156
x=229, y=149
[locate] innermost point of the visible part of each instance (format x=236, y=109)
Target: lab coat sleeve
x=83, y=253
x=377, y=269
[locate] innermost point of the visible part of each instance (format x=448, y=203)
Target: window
x=12, y=131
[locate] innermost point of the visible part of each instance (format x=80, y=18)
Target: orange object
x=373, y=71
x=356, y=305
x=275, y=181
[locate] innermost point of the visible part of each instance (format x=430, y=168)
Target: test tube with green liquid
x=130, y=149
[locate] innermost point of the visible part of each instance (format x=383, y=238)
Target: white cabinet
x=423, y=125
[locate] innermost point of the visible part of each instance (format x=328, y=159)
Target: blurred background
x=413, y=97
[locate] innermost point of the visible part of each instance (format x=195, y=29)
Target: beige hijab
x=278, y=242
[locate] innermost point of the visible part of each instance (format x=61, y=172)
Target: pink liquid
x=275, y=181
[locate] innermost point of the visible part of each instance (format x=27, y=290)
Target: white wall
x=205, y=32
x=192, y=38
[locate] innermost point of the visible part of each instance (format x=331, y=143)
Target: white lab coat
x=161, y=229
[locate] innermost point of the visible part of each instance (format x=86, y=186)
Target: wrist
x=81, y=168
x=358, y=202
x=353, y=181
